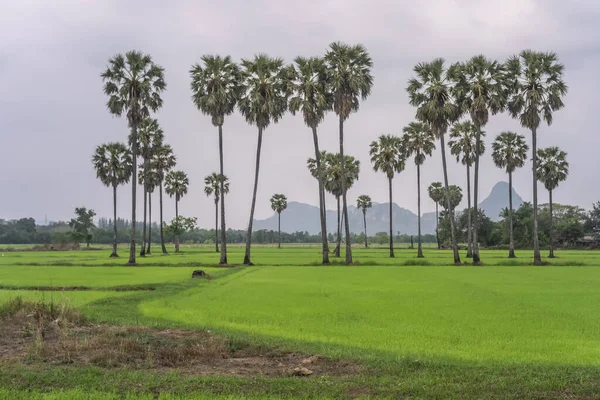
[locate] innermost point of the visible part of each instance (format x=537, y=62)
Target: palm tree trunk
x=511, y=251
x=133, y=191
x=322, y=210
x=249, y=233
x=176, y=219
x=419, y=245
x=437, y=223
x=551, y=255
x=149, y=222
x=448, y=203
x=162, y=234
x=278, y=230
x=114, y=252
x=391, y=218
x=537, y=257
x=217, y=225
x=223, y=260
x=365, y=222
x=338, y=239
x=143, y=247
x=344, y=201
x=475, y=230
x=469, y=224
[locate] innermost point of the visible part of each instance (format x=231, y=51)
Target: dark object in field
x=199, y=274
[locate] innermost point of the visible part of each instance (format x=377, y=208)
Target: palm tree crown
x=455, y=196
x=388, y=155
x=163, y=160
x=150, y=136
x=509, y=151
x=113, y=163
x=364, y=202
x=311, y=91
x=212, y=185
x=278, y=203
x=553, y=167
x=462, y=142
x=176, y=184
x=333, y=172
x=215, y=86
x=418, y=140
x=436, y=193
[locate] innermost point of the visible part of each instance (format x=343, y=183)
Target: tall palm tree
x=462, y=143
x=420, y=142
x=431, y=92
x=388, y=156
x=176, y=184
x=150, y=180
x=213, y=184
x=436, y=193
x=363, y=203
x=311, y=96
x=133, y=84
x=552, y=169
x=215, y=91
x=536, y=88
x=480, y=90
x=163, y=161
x=150, y=136
x=278, y=204
x=509, y=152
x=351, y=81
x=113, y=165
x=264, y=99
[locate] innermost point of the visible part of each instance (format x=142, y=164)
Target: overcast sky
x=53, y=112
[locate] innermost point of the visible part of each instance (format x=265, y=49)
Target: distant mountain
x=305, y=217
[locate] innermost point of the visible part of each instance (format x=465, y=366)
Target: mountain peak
x=498, y=200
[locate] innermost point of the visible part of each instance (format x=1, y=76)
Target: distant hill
x=305, y=217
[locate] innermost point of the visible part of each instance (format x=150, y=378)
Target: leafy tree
x=113, y=165
x=179, y=226
x=552, y=169
x=536, y=88
x=388, y=156
x=82, y=223
x=176, y=184
x=436, y=193
x=163, y=161
x=463, y=139
x=311, y=96
x=431, y=92
x=593, y=224
x=278, y=204
x=351, y=80
x=420, y=142
x=150, y=137
x=382, y=237
x=509, y=152
x=264, y=99
x=215, y=91
x=479, y=90
x=363, y=203
x=133, y=84
x=213, y=184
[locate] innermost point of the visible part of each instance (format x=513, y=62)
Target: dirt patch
x=56, y=340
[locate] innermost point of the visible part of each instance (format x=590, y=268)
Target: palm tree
x=388, y=156
x=536, y=88
x=150, y=137
x=351, y=80
x=150, y=180
x=420, y=141
x=214, y=183
x=431, y=93
x=264, y=99
x=455, y=198
x=215, y=91
x=163, y=161
x=509, y=152
x=480, y=90
x=176, y=184
x=278, y=204
x=311, y=95
x=113, y=165
x=133, y=84
x=552, y=169
x=463, y=139
x=436, y=193
x=364, y=202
